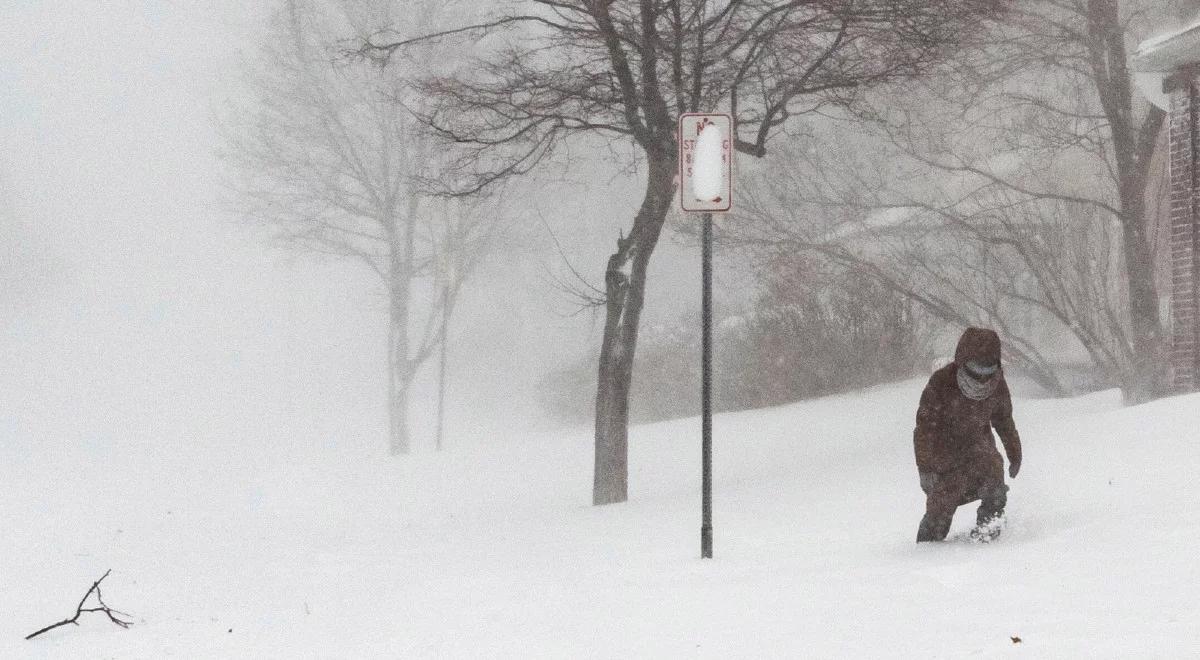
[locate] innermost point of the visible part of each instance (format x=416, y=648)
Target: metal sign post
x=706, y=531
x=706, y=186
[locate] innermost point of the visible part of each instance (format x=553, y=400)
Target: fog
x=141, y=305
x=138, y=305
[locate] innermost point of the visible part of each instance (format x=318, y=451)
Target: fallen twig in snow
x=79, y=611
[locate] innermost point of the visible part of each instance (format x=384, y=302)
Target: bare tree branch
x=80, y=610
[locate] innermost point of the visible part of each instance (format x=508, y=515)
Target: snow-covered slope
x=239, y=552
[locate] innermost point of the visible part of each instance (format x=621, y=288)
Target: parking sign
x=706, y=162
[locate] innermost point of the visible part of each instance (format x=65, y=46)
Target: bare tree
x=626, y=70
x=1056, y=98
x=1087, y=44
x=1032, y=149
x=987, y=258
x=326, y=158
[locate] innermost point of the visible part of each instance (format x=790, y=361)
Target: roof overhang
x=1158, y=58
x=1169, y=52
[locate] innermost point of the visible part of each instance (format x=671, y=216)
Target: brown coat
x=954, y=432
x=956, y=453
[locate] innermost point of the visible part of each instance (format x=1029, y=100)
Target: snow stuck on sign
x=708, y=175
x=706, y=162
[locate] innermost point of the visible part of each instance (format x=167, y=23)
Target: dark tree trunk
x=1132, y=150
x=1148, y=380
x=625, y=286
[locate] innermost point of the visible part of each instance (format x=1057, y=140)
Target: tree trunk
x=398, y=377
x=399, y=365
x=445, y=332
x=1132, y=150
x=1148, y=381
x=625, y=285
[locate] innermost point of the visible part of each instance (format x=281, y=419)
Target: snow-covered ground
x=235, y=551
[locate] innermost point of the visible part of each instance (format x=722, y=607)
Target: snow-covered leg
x=988, y=530
x=989, y=519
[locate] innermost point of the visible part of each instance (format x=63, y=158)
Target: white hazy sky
x=134, y=307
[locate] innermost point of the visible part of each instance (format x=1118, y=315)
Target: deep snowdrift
x=236, y=551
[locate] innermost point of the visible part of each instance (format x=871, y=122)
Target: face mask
x=976, y=389
x=981, y=370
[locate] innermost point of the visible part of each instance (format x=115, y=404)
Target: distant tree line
x=813, y=330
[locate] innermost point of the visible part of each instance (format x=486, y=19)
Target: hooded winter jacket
x=954, y=432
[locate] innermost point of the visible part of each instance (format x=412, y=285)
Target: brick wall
x=1185, y=239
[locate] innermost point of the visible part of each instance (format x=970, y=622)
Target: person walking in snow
x=956, y=453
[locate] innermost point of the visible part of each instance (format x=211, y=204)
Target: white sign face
x=706, y=162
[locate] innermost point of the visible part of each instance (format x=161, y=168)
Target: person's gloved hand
x=1014, y=468
x=928, y=481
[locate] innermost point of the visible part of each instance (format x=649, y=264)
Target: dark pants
x=981, y=478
